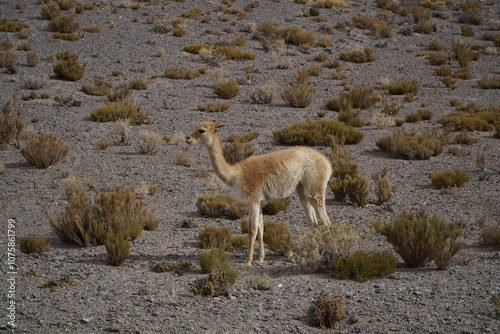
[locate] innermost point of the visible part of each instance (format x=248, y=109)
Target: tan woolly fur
x=269, y=176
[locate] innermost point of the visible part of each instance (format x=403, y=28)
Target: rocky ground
x=111, y=299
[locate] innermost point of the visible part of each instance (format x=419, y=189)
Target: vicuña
x=272, y=175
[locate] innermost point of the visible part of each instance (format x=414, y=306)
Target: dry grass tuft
x=43, y=150
x=326, y=310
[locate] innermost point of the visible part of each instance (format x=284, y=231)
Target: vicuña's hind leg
x=260, y=236
x=307, y=205
x=253, y=230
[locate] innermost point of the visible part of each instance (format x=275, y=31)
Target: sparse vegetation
x=298, y=95
x=150, y=142
x=317, y=133
x=410, y=146
x=449, y=178
x=114, y=111
x=221, y=205
x=357, y=55
x=363, y=265
x=402, y=86
x=275, y=206
x=239, y=147
x=213, y=106
x=383, y=188
x=43, y=150
x=226, y=88
x=180, y=73
x=30, y=245
x=11, y=125
x=420, y=240
x=490, y=228
x=215, y=237
x=326, y=310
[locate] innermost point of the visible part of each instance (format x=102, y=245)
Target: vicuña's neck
x=221, y=167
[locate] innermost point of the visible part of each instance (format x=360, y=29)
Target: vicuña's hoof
x=259, y=261
x=247, y=264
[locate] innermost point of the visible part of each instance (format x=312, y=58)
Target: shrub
x=260, y=283
x=298, y=95
x=214, y=285
x=423, y=26
x=30, y=245
x=410, y=146
x=103, y=144
x=221, y=205
x=296, y=36
x=326, y=311
x=195, y=48
x=317, y=133
x=264, y=94
x=59, y=283
x=402, y=86
x=483, y=119
x=449, y=178
x=64, y=24
x=231, y=53
x=343, y=169
x=32, y=59
x=378, y=28
x=357, y=55
x=121, y=131
x=419, y=115
x=490, y=229
x=419, y=241
x=489, y=83
x=226, y=89
x=11, y=125
x=317, y=248
x=383, y=188
x=278, y=238
x=193, y=13
x=357, y=97
x=118, y=93
x=113, y=111
x=93, y=29
x=180, y=73
x=357, y=189
x=33, y=82
x=177, y=266
x=7, y=59
x=213, y=106
x=149, y=142
x=363, y=265
x=138, y=84
x=12, y=26
x=70, y=70
x=117, y=248
x=44, y=150
x=275, y=206
x=239, y=147
x=100, y=88
x=110, y=214
x=215, y=237
x=50, y=10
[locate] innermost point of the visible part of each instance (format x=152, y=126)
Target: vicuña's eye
x=201, y=131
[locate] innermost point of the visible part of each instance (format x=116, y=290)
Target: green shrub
x=296, y=36
x=449, y=178
x=278, y=238
x=410, y=146
x=221, y=205
x=326, y=311
x=489, y=83
x=275, y=206
x=363, y=265
x=351, y=117
x=490, y=229
x=419, y=115
x=226, y=89
x=383, y=188
x=118, y=93
x=471, y=117
x=64, y=24
x=195, y=48
x=7, y=59
x=357, y=189
x=298, y=95
x=88, y=222
x=44, y=150
x=100, y=88
x=419, y=240
x=260, y=283
x=317, y=248
x=113, y=111
x=357, y=55
x=402, y=86
x=11, y=125
x=378, y=28
x=239, y=147
x=232, y=53
x=317, y=133
x=177, y=266
x=117, y=248
x=12, y=26
x=178, y=72
x=193, y=13
x=30, y=245
x=358, y=96
x=215, y=237
x=70, y=70
x=214, y=285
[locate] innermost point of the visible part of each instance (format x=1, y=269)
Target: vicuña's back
x=272, y=175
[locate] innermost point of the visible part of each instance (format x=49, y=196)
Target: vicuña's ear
x=219, y=125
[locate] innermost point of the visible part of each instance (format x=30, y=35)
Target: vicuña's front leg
x=260, y=235
x=253, y=228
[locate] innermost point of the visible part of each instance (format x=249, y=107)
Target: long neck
x=221, y=167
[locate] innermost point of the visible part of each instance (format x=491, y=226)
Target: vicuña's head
x=204, y=132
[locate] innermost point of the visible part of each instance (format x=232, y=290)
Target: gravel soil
x=111, y=299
